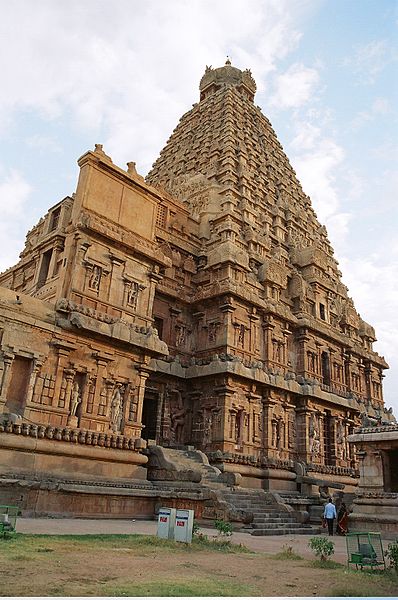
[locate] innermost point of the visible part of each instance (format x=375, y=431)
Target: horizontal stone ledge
x=246, y=470
x=321, y=482
x=59, y=448
x=372, y=518
x=377, y=501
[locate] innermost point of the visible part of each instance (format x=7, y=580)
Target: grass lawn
x=138, y=565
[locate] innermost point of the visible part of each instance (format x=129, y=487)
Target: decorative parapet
x=377, y=495
x=248, y=459
x=74, y=436
x=333, y=470
x=377, y=429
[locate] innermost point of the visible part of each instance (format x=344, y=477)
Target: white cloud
x=14, y=193
x=113, y=66
x=368, y=60
x=380, y=106
x=295, y=87
x=316, y=168
x=43, y=143
x=373, y=282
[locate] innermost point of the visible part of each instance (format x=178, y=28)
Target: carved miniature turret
x=214, y=79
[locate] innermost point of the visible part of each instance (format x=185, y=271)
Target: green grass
x=49, y=543
x=365, y=584
x=287, y=553
x=326, y=564
x=199, y=587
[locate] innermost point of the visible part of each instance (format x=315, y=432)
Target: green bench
x=8, y=520
x=365, y=550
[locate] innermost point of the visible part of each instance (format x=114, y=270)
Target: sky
x=122, y=73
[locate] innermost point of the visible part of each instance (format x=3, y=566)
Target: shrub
x=392, y=554
x=223, y=527
x=195, y=528
x=322, y=547
x=287, y=553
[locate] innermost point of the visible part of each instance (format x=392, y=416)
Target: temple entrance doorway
x=149, y=417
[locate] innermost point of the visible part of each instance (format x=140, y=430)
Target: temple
x=198, y=312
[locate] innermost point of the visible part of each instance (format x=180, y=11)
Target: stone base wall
x=57, y=478
x=64, y=499
x=375, y=512
x=34, y=457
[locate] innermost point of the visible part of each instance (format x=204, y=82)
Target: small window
x=45, y=265
x=322, y=313
x=158, y=324
x=54, y=221
x=161, y=216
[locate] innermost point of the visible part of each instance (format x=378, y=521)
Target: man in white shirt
x=330, y=515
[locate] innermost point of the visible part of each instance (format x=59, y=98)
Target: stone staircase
x=269, y=518
x=270, y=515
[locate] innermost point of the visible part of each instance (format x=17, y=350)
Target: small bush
x=287, y=553
x=322, y=547
x=392, y=555
x=223, y=527
x=195, y=528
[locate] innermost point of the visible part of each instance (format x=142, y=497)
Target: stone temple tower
x=277, y=363
x=200, y=307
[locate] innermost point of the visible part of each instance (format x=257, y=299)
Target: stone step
x=283, y=531
x=274, y=520
x=290, y=525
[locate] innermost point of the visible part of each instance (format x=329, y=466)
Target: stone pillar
x=5, y=378
x=253, y=320
x=347, y=369
x=368, y=380
x=143, y=376
x=69, y=376
x=302, y=339
x=268, y=404
x=303, y=417
x=63, y=350
x=37, y=364
x=101, y=375
x=154, y=278
x=268, y=327
x=114, y=294
x=228, y=331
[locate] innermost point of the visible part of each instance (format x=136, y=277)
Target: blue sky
x=122, y=73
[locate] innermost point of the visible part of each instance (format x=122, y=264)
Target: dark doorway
x=149, y=417
x=390, y=470
x=325, y=368
x=21, y=370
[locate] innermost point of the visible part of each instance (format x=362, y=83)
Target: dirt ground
x=32, y=565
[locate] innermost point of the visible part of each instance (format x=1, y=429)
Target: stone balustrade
x=74, y=436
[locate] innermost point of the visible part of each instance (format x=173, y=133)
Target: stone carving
x=95, y=278
x=340, y=441
x=75, y=399
x=116, y=408
x=315, y=442
x=207, y=430
x=177, y=417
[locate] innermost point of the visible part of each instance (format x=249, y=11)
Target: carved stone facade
x=203, y=306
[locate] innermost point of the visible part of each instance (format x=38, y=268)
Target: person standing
x=329, y=514
x=342, y=520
